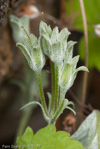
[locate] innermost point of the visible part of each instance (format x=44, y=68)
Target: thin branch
x=86, y=51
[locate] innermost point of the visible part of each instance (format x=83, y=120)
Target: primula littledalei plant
x=53, y=44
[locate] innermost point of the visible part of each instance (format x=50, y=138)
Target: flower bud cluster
x=53, y=44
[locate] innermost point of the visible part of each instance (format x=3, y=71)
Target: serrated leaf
x=89, y=131
x=26, y=140
x=48, y=138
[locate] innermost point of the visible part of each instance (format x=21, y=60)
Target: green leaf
x=48, y=138
x=26, y=140
x=89, y=131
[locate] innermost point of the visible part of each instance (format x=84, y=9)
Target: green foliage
x=89, y=131
x=48, y=138
x=92, y=9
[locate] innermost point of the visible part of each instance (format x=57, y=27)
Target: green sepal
x=44, y=29
x=24, y=51
x=63, y=35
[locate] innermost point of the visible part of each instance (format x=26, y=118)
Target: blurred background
x=63, y=13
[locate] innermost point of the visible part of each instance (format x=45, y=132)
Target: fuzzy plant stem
x=57, y=113
x=51, y=102
x=39, y=78
x=56, y=87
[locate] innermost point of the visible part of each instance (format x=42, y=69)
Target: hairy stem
x=56, y=87
x=39, y=78
x=57, y=113
x=51, y=102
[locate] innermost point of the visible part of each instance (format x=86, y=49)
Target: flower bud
x=32, y=52
x=53, y=43
x=68, y=73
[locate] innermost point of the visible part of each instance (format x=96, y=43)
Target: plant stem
x=58, y=112
x=39, y=78
x=23, y=122
x=56, y=87
x=51, y=102
x=86, y=51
